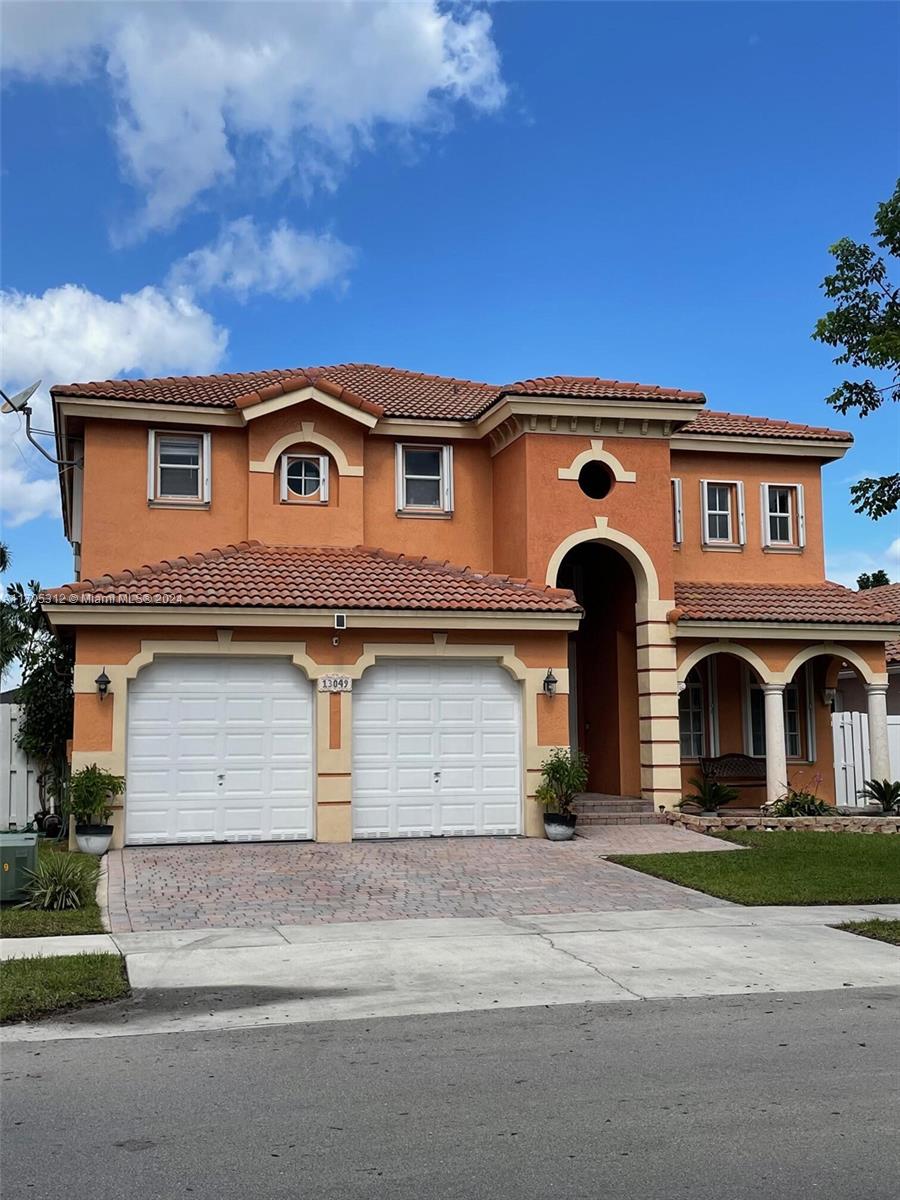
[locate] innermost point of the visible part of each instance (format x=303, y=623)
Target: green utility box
x=18, y=854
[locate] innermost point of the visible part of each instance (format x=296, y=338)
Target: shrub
x=90, y=791
x=799, y=804
x=565, y=774
x=710, y=794
x=885, y=792
x=60, y=882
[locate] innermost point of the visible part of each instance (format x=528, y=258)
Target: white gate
x=19, y=799
x=850, y=731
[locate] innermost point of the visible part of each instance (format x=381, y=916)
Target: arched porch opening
x=603, y=693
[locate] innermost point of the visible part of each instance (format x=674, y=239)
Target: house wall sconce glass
x=550, y=682
x=102, y=681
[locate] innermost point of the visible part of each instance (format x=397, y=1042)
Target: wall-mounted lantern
x=550, y=682
x=102, y=681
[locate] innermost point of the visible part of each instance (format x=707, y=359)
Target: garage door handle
x=437, y=777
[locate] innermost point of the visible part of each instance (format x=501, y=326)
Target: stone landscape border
x=701, y=823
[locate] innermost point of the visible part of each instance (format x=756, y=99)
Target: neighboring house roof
x=12, y=696
x=254, y=575
x=820, y=603
x=723, y=424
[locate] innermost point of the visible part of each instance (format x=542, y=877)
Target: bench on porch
x=737, y=770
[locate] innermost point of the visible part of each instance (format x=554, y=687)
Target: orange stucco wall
x=753, y=563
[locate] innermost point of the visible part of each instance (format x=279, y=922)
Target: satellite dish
x=17, y=403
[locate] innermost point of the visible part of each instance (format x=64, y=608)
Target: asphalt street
x=725, y=1098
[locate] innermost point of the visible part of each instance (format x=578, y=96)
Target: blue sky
x=642, y=191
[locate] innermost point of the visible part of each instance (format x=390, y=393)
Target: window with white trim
x=304, y=478
x=691, y=717
x=178, y=467
x=783, y=518
x=793, y=737
x=677, y=520
x=723, y=512
x=424, y=478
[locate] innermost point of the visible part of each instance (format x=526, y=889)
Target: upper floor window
x=723, y=512
x=424, y=479
x=304, y=478
x=783, y=519
x=178, y=470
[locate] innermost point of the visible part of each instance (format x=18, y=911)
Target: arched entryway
x=603, y=697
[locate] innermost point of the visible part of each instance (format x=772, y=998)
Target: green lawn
x=787, y=868
x=31, y=922
x=36, y=987
x=879, y=929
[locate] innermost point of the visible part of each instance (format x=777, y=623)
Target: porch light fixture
x=102, y=681
x=829, y=695
x=550, y=682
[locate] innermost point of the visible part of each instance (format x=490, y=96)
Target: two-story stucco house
x=355, y=601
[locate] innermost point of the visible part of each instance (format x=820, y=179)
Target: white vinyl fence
x=19, y=799
x=850, y=731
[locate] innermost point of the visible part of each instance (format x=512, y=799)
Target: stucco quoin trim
x=597, y=454
x=306, y=434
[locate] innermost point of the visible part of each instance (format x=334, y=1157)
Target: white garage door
x=436, y=750
x=219, y=750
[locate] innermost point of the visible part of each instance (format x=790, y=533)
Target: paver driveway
x=300, y=883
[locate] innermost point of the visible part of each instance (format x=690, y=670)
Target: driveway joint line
x=546, y=937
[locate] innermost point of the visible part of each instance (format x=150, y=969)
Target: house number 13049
x=335, y=683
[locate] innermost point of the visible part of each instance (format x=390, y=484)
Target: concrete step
x=644, y=818
x=596, y=802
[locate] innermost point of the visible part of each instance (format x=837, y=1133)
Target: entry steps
x=595, y=808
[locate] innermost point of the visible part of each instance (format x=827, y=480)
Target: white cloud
x=845, y=566
x=283, y=262
x=220, y=92
x=69, y=334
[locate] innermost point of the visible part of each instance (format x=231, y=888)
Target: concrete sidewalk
x=188, y=980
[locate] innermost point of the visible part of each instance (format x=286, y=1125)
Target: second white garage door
x=219, y=750
x=436, y=750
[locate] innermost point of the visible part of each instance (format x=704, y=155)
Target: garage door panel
x=458, y=719
x=217, y=745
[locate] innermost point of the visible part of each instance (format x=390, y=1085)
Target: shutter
x=764, y=512
x=151, y=464
x=398, y=471
x=323, y=478
x=704, y=508
x=676, y=509
x=801, y=517
x=206, y=467
x=447, y=480
x=742, y=526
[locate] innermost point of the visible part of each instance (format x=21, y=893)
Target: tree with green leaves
x=875, y=579
x=864, y=326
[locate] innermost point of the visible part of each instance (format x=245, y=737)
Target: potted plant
x=564, y=775
x=89, y=805
x=883, y=795
x=708, y=796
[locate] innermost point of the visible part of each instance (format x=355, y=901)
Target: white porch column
x=776, y=756
x=879, y=753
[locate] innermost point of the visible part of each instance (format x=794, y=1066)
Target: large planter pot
x=560, y=827
x=690, y=808
x=93, y=839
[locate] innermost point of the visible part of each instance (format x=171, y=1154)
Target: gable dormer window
x=178, y=468
x=304, y=478
x=424, y=479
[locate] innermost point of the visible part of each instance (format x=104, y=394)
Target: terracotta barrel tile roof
x=254, y=575
x=820, y=603
x=392, y=392
x=709, y=423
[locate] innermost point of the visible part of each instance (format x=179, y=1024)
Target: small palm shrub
x=710, y=794
x=564, y=775
x=885, y=792
x=60, y=882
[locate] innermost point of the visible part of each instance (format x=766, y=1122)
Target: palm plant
x=885, y=792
